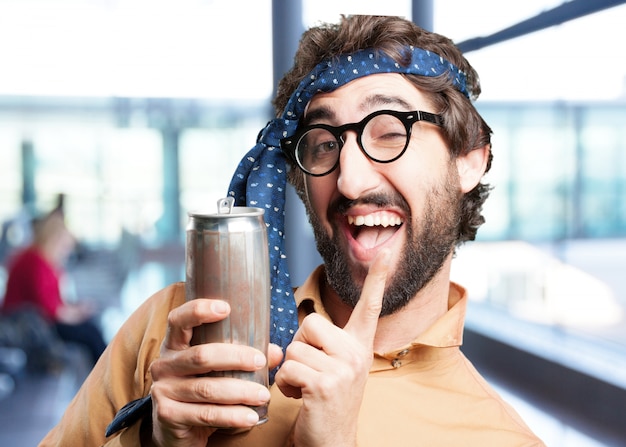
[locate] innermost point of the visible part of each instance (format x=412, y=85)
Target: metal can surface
x=227, y=258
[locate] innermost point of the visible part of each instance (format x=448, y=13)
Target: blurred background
x=138, y=111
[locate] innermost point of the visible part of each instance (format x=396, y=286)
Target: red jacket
x=32, y=283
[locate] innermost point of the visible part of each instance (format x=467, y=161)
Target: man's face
x=410, y=205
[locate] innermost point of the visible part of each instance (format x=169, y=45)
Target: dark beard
x=427, y=249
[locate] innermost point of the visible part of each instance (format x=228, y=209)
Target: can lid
x=226, y=208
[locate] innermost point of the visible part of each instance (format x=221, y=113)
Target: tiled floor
x=35, y=406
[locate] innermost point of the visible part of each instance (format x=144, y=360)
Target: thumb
x=364, y=319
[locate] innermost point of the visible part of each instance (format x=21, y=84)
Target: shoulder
x=138, y=341
x=27, y=257
x=148, y=323
x=159, y=305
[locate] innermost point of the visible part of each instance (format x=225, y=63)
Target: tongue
x=370, y=237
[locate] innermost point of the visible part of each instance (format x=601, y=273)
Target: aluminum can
x=227, y=258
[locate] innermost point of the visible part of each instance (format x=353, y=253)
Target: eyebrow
x=378, y=100
x=325, y=113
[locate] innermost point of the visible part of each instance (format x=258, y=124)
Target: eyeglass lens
x=383, y=138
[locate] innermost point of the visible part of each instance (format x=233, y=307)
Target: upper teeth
x=371, y=220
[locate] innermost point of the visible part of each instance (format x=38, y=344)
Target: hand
x=328, y=367
x=75, y=313
x=187, y=408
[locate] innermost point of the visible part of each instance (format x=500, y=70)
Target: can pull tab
x=225, y=205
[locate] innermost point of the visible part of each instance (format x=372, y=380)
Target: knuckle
x=328, y=385
x=291, y=349
x=207, y=414
x=373, y=308
x=200, y=308
x=214, y=415
x=155, y=387
x=173, y=317
x=159, y=392
x=346, y=374
x=204, y=389
x=359, y=361
x=284, y=370
x=295, y=350
x=163, y=410
x=155, y=369
x=311, y=319
x=192, y=310
x=199, y=356
x=195, y=309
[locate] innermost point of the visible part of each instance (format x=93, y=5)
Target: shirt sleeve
x=120, y=376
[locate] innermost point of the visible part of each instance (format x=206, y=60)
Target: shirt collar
x=446, y=332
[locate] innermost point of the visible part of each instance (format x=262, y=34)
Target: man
x=387, y=153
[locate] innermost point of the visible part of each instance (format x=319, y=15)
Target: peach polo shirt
x=426, y=393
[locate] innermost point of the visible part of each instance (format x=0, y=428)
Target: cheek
x=418, y=178
x=425, y=163
x=319, y=191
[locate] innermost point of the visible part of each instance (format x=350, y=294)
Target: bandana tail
x=260, y=181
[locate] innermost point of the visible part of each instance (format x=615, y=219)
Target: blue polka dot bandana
x=260, y=179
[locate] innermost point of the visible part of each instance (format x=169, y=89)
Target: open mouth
x=374, y=229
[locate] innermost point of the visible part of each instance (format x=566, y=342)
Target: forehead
x=370, y=93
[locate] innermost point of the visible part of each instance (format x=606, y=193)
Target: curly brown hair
x=464, y=129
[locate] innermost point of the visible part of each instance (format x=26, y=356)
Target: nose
x=357, y=173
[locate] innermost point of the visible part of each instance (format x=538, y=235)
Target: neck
x=48, y=251
x=405, y=325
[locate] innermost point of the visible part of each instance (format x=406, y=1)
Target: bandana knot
x=275, y=130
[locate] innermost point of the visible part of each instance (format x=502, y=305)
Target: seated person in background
x=33, y=284
x=387, y=153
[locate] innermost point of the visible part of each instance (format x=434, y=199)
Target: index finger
x=182, y=320
x=364, y=318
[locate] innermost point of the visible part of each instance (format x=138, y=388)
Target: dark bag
x=30, y=332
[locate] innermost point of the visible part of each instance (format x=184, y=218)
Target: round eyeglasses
x=382, y=136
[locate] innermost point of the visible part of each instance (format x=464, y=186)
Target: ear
x=471, y=167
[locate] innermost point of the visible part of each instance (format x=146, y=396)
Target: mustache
x=342, y=204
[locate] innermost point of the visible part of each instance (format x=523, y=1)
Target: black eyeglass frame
x=290, y=144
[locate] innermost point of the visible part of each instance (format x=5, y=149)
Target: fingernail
x=219, y=307
x=264, y=395
x=252, y=418
x=259, y=360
